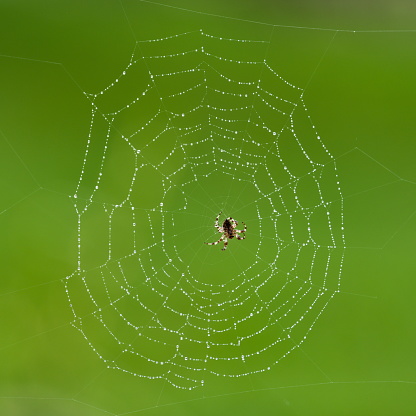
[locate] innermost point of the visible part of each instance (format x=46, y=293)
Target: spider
x=228, y=231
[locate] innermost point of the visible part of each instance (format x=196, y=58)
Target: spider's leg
x=242, y=231
x=225, y=244
x=234, y=222
x=216, y=221
x=213, y=244
x=239, y=237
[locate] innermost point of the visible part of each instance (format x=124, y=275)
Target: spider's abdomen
x=228, y=229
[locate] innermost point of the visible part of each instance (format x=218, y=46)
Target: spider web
x=194, y=125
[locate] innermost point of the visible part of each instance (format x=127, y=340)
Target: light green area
x=359, y=90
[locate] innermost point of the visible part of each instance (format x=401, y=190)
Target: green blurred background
x=357, y=67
